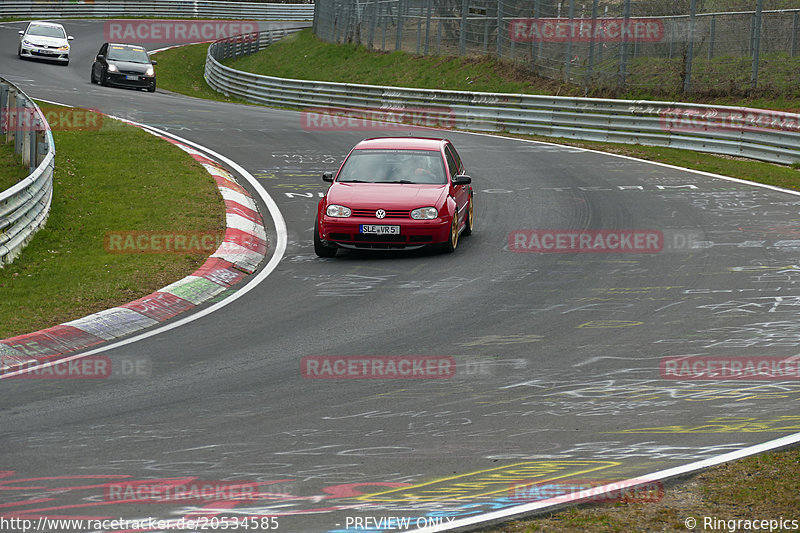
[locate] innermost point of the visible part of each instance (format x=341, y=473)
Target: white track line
x=562, y=501
x=280, y=249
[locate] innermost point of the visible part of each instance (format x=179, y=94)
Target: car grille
x=390, y=213
x=378, y=238
x=401, y=240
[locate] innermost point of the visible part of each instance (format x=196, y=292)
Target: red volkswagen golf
x=395, y=193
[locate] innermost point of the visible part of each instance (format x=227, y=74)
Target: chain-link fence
x=676, y=46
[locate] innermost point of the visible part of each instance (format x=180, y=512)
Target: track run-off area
x=560, y=369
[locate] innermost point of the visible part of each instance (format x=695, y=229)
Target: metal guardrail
x=198, y=9
x=25, y=206
x=735, y=131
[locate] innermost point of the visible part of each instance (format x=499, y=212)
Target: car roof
x=401, y=143
x=44, y=23
x=128, y=45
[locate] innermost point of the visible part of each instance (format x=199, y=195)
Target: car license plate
x=133, y=78
x=376, y=229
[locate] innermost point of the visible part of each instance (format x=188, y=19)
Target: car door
x=97, y=66
x=459, y=192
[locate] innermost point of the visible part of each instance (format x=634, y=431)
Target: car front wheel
x=452, y=241
x=319, y=247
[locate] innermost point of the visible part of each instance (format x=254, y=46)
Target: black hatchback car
x=124, y=65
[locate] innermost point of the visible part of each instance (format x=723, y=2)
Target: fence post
x=499, y=28
x=712, y=36
x=398, y=43
x=373, y=25
x=462, y=39
x=419, y=34
x=568, y=50
x=428, y=27
x=535, y=43
x=795, y=24
x=687, y=80
x=756, y=45
x=623, y=49
x=590, y=66
x=385, y=17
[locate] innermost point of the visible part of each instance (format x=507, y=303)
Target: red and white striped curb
x=242, y=250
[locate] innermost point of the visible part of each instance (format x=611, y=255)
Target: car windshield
x=124, y=53
x=393, y=166
x=46, y=31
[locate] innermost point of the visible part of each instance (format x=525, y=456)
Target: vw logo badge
x=380, y=213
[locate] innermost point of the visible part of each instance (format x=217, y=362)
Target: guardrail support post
x=41, y=147
x=11, y=114
x=3, y=107
x=32, y=149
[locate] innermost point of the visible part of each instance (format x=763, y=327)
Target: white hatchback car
x=44, y=40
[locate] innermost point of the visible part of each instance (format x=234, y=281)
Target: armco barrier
x=25, y=206
x=156, y=8
x=735, y=131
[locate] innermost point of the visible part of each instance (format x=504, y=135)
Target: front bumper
x=43, y=52
x=346, y=233
x=138, y=81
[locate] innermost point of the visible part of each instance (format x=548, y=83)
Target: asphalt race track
x=557, y=355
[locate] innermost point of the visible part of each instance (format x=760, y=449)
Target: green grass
x=11, y=168
x=760, y=487
x=117, y=178
x=177, y=71
x=303, y=56
x=768, y=173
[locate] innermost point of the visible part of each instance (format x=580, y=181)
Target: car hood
x=45, y=41
x=386, y=195
x=127, y=66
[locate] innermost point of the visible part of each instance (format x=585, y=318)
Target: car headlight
x=112, y=68
x=338, y=211
x=424, y=213
x=26, y=42
x=150, y=71
x=64, y=48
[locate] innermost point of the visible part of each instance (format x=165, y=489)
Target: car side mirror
x=21, y=32
x=100, y=57
x=327, y=176
x=70, y=37
x=462, y=179
x=153, y=62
